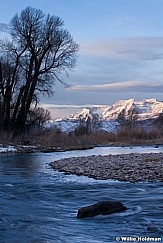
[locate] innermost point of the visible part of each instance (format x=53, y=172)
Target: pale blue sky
x=121, y=48
x=98, y=19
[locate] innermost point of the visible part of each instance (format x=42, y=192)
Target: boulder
x=153, y=229
x=103, y=207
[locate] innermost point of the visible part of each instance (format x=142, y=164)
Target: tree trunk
x=7, y=103
x=25, y=106
x=0, y=73
x=17, y=105
x=7, y=110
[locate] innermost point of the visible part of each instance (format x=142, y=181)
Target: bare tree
x=41, y=50
x=128, y=121
x=37, y=117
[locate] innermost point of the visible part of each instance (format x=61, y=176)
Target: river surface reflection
x=38, y=204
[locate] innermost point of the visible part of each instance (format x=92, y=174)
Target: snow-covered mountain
x=108, y=118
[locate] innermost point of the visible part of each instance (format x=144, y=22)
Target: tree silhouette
x=40, y=50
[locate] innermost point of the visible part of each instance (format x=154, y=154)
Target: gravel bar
x=132, y=167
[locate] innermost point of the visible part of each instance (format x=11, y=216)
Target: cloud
x=59, y=106
x=129, y=86
x=124, y=48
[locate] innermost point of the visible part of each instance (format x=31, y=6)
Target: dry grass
x=134, y=136
x=7, y=138
x=136, y=133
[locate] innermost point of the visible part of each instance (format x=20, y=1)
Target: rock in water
x=104, y=208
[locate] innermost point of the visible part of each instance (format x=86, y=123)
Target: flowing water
x=40, y=205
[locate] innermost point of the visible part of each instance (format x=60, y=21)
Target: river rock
x=103, y=207
x=126, y=167
x=154, y=229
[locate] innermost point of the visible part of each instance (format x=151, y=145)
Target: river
x=39, y=205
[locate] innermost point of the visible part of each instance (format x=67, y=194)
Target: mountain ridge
x=108, y=117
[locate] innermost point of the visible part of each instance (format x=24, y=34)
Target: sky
x=120, y=55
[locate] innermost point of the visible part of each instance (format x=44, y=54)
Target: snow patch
x=7, y=149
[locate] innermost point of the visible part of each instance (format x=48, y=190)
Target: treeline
x=137, y=136
x=39, y=50
x=89, y=132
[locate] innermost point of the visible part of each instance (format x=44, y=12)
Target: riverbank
x=133, y=167
x=46, y=148
x=51, y=141
x=39, y=148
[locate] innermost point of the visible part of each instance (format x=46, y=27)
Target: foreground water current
x=39, y=205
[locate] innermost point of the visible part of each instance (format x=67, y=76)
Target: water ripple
x=40, y=205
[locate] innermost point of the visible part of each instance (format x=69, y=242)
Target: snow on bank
x=7, y=149
x=18, y=149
